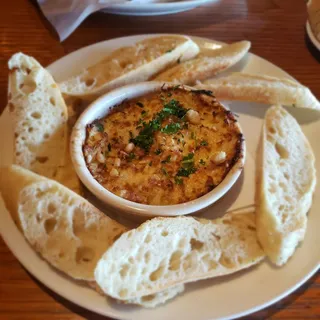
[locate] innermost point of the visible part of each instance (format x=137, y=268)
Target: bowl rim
x=100, y=108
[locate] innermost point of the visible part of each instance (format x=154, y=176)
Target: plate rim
x=312, y=37
x=112, y=313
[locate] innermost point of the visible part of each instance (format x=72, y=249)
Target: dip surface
x=164, y=148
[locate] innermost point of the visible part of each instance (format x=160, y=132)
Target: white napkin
x=66, y=15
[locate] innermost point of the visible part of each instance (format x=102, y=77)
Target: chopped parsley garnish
x=144, y=113
x=202, y=162
x=169, y=51
x=171, y=128
x=192, y=135
x=187, y=166
x=145, y=138
x=164, y=171
x=158, y=151
x=169, y=94
x=203, y=143
x=140, y=104
x=173, y=107
x=178, y=180
x=109, y=147
x=99, y=126
x=176, y=87
x=166, y=160
x=130, y=134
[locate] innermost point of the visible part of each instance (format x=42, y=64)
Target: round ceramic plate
x=134, y=8
x=221, y=298
x=312, y=36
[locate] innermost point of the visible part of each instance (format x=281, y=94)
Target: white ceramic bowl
x=100, y=108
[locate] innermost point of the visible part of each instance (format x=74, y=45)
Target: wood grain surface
x=276, y=29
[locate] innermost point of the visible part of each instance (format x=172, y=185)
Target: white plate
x=312, y=36
x=154, y=9
x=224, y=298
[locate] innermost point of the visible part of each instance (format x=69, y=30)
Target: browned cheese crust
x=164, y=148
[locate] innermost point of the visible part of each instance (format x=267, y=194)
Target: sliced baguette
x=287, y=182
x=165, y=252
x=131, y=64
x=263, y=89
x=65, y=229
x=39, y=115
x=205, y=65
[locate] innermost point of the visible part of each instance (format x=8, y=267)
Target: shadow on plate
x=258, y=110
x=219, y=208
x=312, y=49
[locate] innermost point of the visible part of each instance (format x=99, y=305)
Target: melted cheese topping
x=185, y=155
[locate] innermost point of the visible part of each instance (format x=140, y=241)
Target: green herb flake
x=144, y=113
x=187, y=166
x=203, y=143
x=140, y=104
x=131, y=156
x=164, y=171
x=168, y=51
x=171, y=128
x=192, y=135
x=109, y=147
x=178, y=180
x=166, y=160
x=169, y=94
x=158, y=151
x=202, y=162
x=99, y=126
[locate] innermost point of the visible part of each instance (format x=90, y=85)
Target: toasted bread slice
x=65, y=229
x=286, y=184
x=132, y=64
x=39, y=116
x=205, y=65
x=263, y=89
x=165, y=252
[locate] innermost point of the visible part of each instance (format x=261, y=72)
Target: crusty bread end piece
x=205, y=65
x=165, y=252
x=263, y=89
x=65, y=229
x=286, y=183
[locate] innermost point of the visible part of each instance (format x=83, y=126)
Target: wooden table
x=276, y=29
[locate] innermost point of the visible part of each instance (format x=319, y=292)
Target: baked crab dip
x=167, y=147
